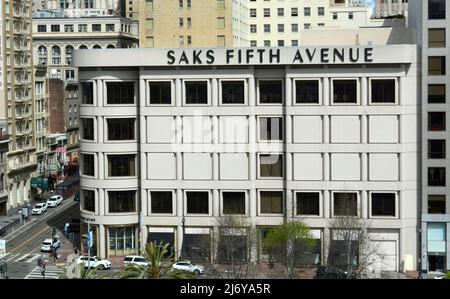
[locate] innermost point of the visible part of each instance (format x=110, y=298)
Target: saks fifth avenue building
x=173, y=139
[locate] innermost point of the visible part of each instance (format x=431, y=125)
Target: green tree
x=287, y=243
x=447, y=276
x=159, y=265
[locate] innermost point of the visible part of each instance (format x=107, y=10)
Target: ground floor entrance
x=436, y=263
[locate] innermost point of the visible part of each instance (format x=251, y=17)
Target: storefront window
x=122, y=240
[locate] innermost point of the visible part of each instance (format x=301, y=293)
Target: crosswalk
x=20, y=257
x=51, y=272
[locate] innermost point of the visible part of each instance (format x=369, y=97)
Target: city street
x=23, y=245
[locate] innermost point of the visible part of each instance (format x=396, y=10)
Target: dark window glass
x=120, y=92
x=121, y=165
x=88, y=164
x=436, y=204
x=436, y=93
x=436, y=149
x=271, y=128
x=197, y=202
x=160, y=93
x=121, y=129
x=383, y=91
x=436, y=65
x=234, y=203
x=87, y=90
x=196, y=92
x=122, y=201
x=271, y=92
x=232, y=249
x=436, y=9
x=436, y=121
x=308, y=203
x=345, y=204
x=307, y=92
x=88, y=128
x=383, y=204
x=42, y=28
x=436, y=37
x=271, y=165
x=233, y=92
x=271, y=202
x=96, y=27
x=345, y=91
x=161, y=202
x=436, y=176
x=89, y=200
x=55, y=28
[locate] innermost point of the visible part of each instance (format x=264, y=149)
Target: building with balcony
x=4, y=143
x=270, y=134
x=390, y=8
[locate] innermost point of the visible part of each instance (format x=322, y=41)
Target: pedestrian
x=55, y=256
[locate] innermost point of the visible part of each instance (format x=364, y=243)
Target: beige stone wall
x=203, y=31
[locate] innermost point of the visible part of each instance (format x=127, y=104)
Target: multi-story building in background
x=281, y=23
x=76, y=8
x=390, y=8
x=55, y=38
x=270, y=134
x=193, y=23
x=430, y=18
x=17, y=97
x=4, y=143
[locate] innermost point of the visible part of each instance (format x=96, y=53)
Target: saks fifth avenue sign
x=255, y=56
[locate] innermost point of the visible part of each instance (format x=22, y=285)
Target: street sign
x=2, y=247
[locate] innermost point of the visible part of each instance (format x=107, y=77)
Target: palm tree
x=159, y=266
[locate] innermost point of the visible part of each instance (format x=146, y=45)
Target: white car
x=54, y=201
x=189, y=267
x=39, y=209
x=47, y=245
x=94, y=262
x=136, y=260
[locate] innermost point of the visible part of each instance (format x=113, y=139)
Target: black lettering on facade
x=352, y=55
x=324, y=55
x=249, y=54
x=261, y=52
x=171, y=57
x=196, y=56
x=230, y=54
x=298, y=57
x=210, y=57
x=368, y=52
x=272, y=56
x=310, y=55
x=183, y=58
x=338, y=55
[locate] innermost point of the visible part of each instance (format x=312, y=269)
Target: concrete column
x=326, y=128
x=215, y=129
x=325, y=243
x=326, y=204
x=142, y=96
x=143, y=237
x=364, y=129
x=100, y=127
x=101, y=202
x=144, y=201
x=364, y=166
x=288, y=130
x=178, y=93
x=364, y=205
x=214, y=92
x=448, y=246
x=215, y=203
x=179, y=163
x=180, y=203
x=215, y=160
x=252, y=160
x=179, y=239
x=289, y=167
x=101, y=169
x=178, y=129
x=102, y=241
x=99, y=93
x=253, y=203
x=143, y=166
x=326, y=91
x=288, y=90
x=326, y=166
x=251, y=91
x=289, y=204
x=402, y=167
x=142, y=129
x=364, y=94
x=424, y=248
x=401, y=90
x=252, y=129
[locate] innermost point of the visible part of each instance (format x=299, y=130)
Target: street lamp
x=183, y=222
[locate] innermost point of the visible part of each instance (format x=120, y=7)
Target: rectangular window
x=121, y=165
x=436, y=204
x=335, y=16
x=149, y=5
x=233, y=203
x=436, y=38
x=267, y=43
x=197, y=202
x=121, y=129
x=271, y=202
x=436, y=121
x=233, y=92
x=42, y=28
x=307, y=11
x=321, y=11
x=383, y=91
x=345, y=91
x=307, y=91
x=160, y=93
x=436, y=93
x=220, y=4
x=308, y=203
x=266, y=28
x=294, y=12
x=436, y=65
x=271, y=166
x=181, y=23
x=68, y=28
x=252, y=12
x=280, y=43
x=436, y=176
x=55, y=28
x=294, y=42
x=87, y=93
x=189, y=22
x=82, y=28
x=253, y=43
x=271, y=128
x=436, y=149
x=180, y=4
x=350, y=16
x=253, y=28
x=280, y=28
x=88, y=203
x=436, y=9
x=294, y=27
x=88, y=164
x=149, y=24
x=383, y=204
x=345, y=204
x=122, y=201
x=96, y=27
x=270, y=91
x=280, y=12
x=161, y=202
x=88, y=128
x=220, y=23
x=196, y=92
x=267, y=12
x=221, y=40
x=120, y=93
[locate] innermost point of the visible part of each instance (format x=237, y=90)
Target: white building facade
x=274, y=135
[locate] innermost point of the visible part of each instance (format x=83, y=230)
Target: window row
x=83, y=28
x=382, y=204
x=198, y=92
x=282, y=28
x=294, y=12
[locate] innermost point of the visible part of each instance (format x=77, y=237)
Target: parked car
x=50, y=244
x=94, y=262
x=324, y=272
x=136, y=260
x=54, y=201
x=39, y=209
x=189, y=267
